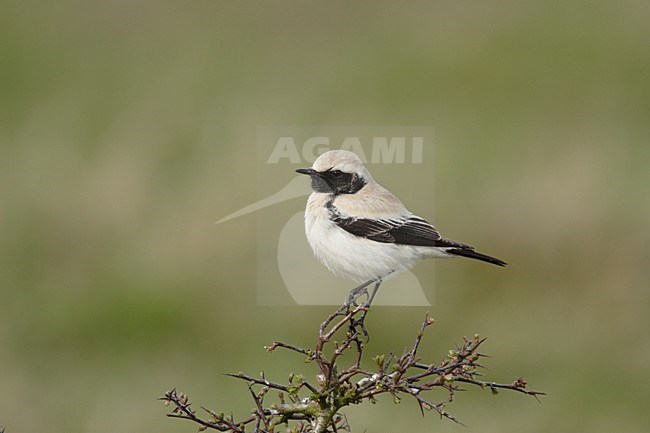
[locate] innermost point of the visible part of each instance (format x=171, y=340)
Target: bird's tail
x=466, y=252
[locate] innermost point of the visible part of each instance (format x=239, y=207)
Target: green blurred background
x=128, y=128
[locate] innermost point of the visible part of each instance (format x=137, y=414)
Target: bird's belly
x=350, y=256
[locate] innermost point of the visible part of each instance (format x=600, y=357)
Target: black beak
x=308, y=171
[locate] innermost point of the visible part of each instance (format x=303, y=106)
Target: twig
x=338, y=386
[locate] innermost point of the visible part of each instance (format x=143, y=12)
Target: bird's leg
x=361, y=320
x=357, y=292
x=351, y=300
x=374, y=292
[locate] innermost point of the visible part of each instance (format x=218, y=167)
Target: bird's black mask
x=334, y=181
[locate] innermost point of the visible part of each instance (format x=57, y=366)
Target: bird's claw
x=360, y=322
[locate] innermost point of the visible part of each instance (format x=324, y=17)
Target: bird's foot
x=360, y=322
x=354, y=300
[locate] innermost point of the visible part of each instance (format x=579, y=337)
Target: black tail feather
x=466, y=252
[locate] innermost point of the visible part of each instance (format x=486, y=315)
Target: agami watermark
x=384, y=150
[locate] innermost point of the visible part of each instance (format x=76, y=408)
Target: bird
x=361, y=231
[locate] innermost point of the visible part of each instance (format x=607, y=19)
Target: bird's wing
x=407, y=229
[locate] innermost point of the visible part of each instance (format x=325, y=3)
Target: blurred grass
x=128, y=128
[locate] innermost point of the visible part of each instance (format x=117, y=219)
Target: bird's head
x=337, y=172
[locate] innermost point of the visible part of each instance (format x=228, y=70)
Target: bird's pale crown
x=343, y=160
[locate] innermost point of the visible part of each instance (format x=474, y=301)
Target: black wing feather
x=410, y=230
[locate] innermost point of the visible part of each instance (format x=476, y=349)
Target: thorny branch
x=314, y=407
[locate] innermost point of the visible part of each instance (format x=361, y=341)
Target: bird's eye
x=337, y=173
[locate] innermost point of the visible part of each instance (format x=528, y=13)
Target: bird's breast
x=348, y=255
